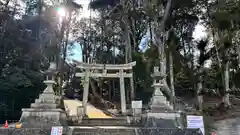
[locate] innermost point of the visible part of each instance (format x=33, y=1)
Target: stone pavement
x=228, y=126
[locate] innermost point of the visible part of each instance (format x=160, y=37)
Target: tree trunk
x=134, y=34
x=163, y=63
x=128, y=51
x=6, y=5
x=173, y=99
x=226, y=99
x=162, y=55
x=94, y=90
x=238, y=52
x=224, y=67
x=99, y=97
x=65, y=46
x=171, y=75
x=215, y=41
x=199, y=89
x=110, y=90
x=59, y=43
x=127, y=40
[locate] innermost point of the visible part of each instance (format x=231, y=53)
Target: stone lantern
x=158, y=101
x=161, y=113
x=49, y=74
x=44, y=112
x=49, y=77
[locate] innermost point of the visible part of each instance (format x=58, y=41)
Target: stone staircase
x=102, y=131
x=118, y=130
x=118, y=121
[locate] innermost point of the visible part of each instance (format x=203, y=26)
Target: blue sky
x=75, y=53
x=85, y=12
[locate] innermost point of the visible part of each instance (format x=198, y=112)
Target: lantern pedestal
x=44, y=112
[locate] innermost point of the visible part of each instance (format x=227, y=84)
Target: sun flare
x=61, y=12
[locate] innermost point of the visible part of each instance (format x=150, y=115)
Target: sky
x=198, y=33
x=85, y=12
x=76, y=52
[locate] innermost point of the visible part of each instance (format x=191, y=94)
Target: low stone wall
x=100, y=131
x=159, y=131
x=28, y=131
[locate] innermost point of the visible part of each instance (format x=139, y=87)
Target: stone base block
x=43, y=106
x=169, y=115
x=46, y=101
x=160, y=108
x=118, y=121
x=43, y=118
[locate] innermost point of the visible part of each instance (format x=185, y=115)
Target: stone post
x=86, y=91
x=80, y=113
x=137, y=110
x=122, y=92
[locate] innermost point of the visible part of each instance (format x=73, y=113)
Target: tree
x=220, y=19
x=20, y=66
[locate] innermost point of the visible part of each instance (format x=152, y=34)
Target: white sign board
x=137, y=104
x=56, y=131
x=195, y=122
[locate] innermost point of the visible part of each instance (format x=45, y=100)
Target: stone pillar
x=137, y=110
x=86, y=91
x=80, y=113
x=132, y=89
x=122, y=92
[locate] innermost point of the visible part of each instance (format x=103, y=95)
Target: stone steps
x=118, y=130
x=102, y=131
x=104, y=121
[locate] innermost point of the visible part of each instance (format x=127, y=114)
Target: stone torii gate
x=102, y=71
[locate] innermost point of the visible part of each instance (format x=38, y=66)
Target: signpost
x=56, y=131
x=136, y=108
x=137, y=104
x=195, y=122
